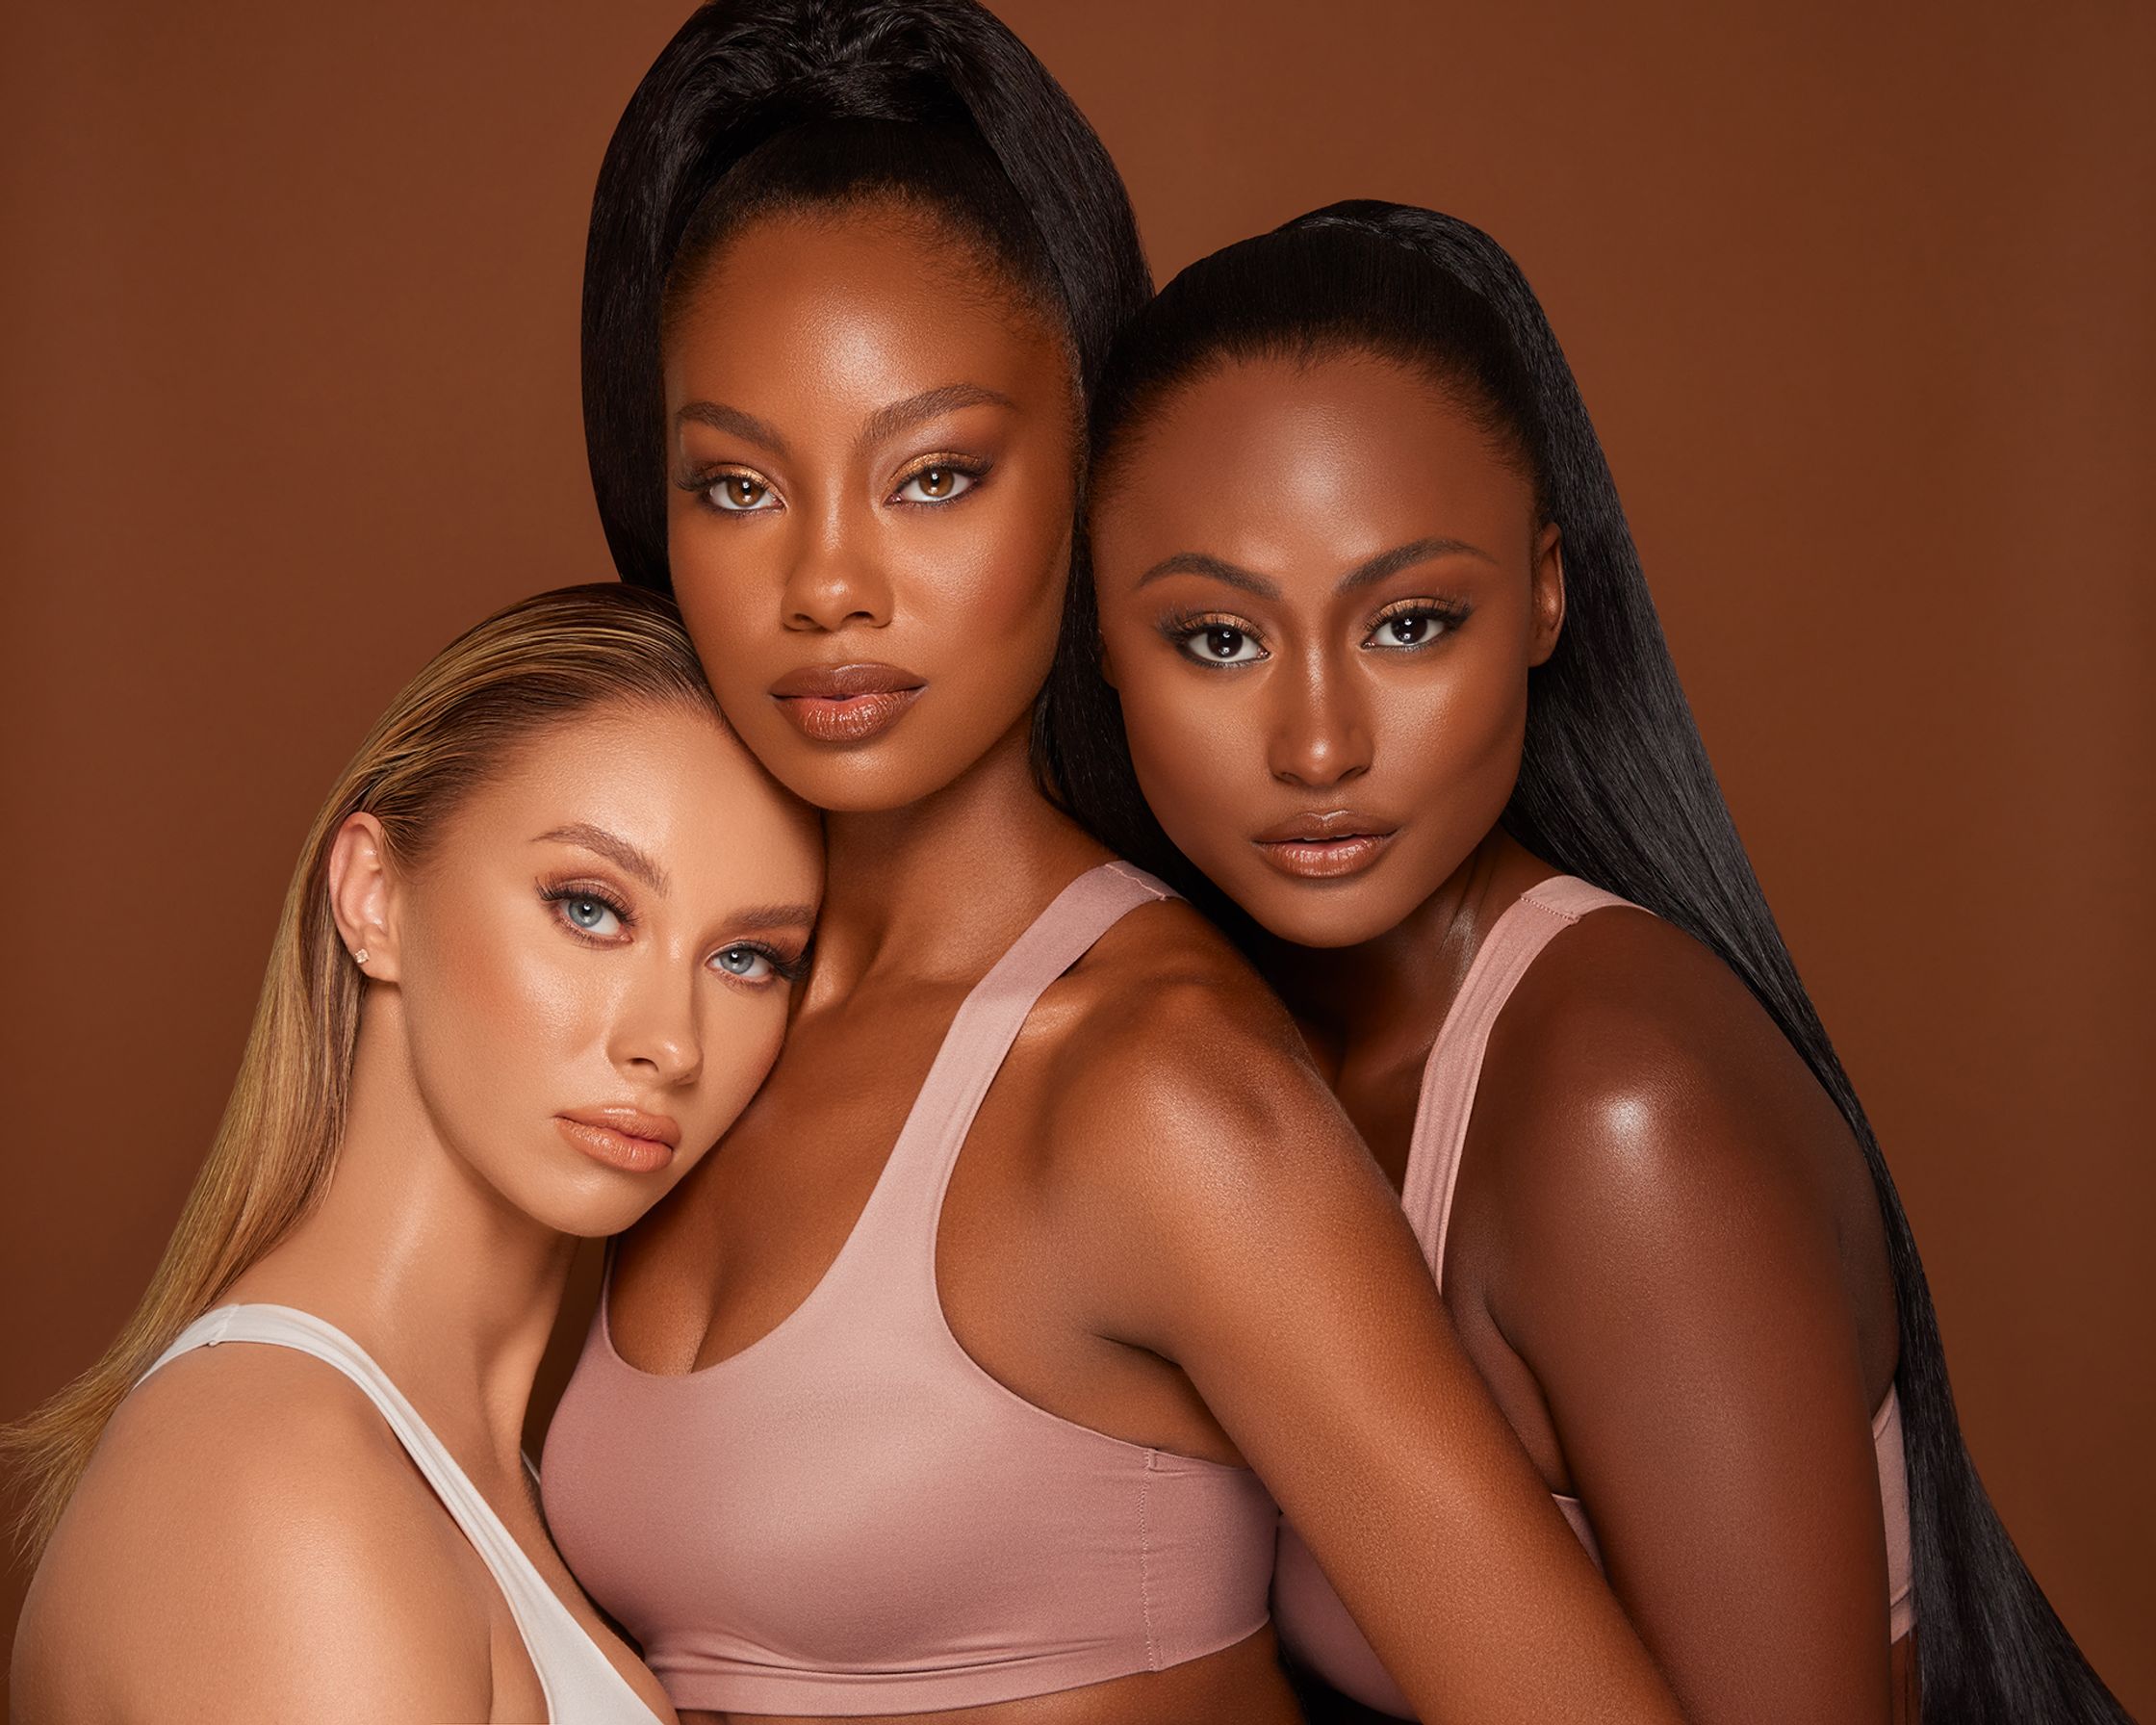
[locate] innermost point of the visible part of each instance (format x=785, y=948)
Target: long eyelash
x=699, y=485
x=1450, y=612
x=787, y=970
x=556, y=892
x=972, y=468
x=1180, y=625
x=1180, y=628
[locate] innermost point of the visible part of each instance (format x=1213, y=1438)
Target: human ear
x=1546, y=595
x=362, y=895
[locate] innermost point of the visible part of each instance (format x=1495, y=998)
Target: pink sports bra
x=850, y=1516
x=1313, y=1623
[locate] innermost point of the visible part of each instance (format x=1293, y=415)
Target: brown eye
x=739, y=494
x=936, y=485
x=1221, y=644
x=1417, y=627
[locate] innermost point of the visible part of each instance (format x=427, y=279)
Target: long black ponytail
x=1614, y=786
x=756, y=103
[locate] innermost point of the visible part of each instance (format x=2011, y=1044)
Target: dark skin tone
x=872, y=445
x=1323, y=587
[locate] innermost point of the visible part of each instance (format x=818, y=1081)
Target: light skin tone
x=1199, y=1305
x=593, y=960
x=1322, y=587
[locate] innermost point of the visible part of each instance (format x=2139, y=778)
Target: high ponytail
x=742, y=75
x=1614, y=786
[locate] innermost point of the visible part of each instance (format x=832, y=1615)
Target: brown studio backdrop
x=1863, y=307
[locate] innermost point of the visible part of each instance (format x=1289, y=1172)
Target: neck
x=938, y=889
x=451, y=1288
x=1387, y=997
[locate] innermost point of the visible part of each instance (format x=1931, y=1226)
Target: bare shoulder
x=1163, y=1025
x=251, y=1542
x=1190, y=1148
x=1634, y=1083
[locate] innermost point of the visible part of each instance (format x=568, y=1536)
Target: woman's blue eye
x=1217, y=644
x=740, y=494
x=936, y=485
x=591, y=915
x=751, y=963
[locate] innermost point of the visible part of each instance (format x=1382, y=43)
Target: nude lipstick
x=621, y=1137
x=846, y=703
x=1327, y=846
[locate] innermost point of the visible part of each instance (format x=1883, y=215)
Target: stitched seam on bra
x=1145, y=1560
x=1507, y=970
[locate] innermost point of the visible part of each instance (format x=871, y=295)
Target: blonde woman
x=535, y=958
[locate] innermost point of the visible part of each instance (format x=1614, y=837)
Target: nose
x=1320, y=731
x=835, y=580
x=658, y=1036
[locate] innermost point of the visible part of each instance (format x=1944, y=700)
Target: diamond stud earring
x=359, y=955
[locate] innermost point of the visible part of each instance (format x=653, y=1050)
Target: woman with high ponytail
x=1407, y=743
x=963, y=1378
x=735, y=77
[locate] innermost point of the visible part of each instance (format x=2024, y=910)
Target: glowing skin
x=570, y=995
x=1322, y=589
x=1320, y=630
x=871, y=444
x=591, y=978
x=870, y=523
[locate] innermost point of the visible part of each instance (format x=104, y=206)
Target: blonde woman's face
x=591, y=970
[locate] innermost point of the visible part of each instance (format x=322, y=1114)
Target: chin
x=592, y=1215
x=860, y=785
x=588, y=1203
x=1324, y=918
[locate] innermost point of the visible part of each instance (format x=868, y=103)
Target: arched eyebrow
x=613, y=847
x=736, y=423
x=763, y=917
x=897, y=416
x=1406, y=556
x=886, y=422
x=1363, y=575
x=1219, y=569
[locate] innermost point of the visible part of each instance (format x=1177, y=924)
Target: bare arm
x=1676, y=1263
x=240, y=1552
x=1259, y=1248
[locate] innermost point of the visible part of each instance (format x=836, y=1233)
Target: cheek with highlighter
x=512, y=1022
x=1447, y=756
x=507, y=1020
x=1445, y=740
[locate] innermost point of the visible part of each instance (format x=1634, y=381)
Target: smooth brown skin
x=1198, y=1303
x=1664, y=1255
x=250, y=1541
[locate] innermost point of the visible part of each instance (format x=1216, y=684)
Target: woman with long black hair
x=1384, y=686
x=950, y=1384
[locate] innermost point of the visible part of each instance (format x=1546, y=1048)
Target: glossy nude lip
x=625, y=1138
x=1327, y=846
x=846, y=703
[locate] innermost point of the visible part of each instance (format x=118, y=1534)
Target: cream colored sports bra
x=1313, y=1623
x=579, y=1682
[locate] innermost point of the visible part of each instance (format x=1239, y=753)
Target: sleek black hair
x=761, y=105
x=1614, y=786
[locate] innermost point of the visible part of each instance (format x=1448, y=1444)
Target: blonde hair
x=531, y=665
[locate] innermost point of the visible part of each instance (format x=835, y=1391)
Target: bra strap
x=981, y=1034
x=1454, y=1068
x=538, y=1611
